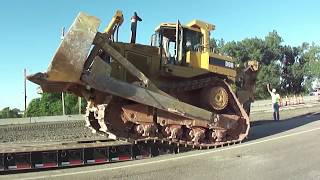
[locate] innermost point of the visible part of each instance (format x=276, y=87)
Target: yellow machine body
x=201, y=55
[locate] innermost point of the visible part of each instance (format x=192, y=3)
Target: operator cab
x=175, y=40
x=188, y=49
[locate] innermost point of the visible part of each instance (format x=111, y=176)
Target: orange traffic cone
x=302, y=102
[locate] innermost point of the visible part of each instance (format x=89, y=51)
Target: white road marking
x=171, y=159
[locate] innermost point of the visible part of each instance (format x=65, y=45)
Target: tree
x=292, y=70
x=267, y=51
x=10, y=113
x=216, y=44
x=72, y=106
x=51, y=104
x=268, y=74
x=311, y=54
x=33, y=109
x=272, y=48
x=289, y=69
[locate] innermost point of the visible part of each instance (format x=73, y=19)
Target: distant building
x=316, y=93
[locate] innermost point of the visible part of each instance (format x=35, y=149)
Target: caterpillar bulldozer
x=175, y=89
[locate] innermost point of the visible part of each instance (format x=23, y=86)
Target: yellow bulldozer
x=176, y=89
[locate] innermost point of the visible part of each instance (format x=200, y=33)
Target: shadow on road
x=265, y=128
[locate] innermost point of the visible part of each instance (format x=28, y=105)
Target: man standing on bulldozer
x=275, y=97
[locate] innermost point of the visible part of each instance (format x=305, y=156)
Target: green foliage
x=34, y=108
x=50, y=104
x=217, y=44
x=72, y=105
x=268, y=74
x=291, y=70
x=10, y=113
x=311, y=55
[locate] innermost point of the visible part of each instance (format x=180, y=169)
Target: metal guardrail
x=41, y=119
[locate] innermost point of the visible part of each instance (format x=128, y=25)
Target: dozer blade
x=67, y=63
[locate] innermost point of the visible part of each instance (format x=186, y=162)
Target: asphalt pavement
x=274, y=150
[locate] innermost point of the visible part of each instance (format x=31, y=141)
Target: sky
x=30, y=30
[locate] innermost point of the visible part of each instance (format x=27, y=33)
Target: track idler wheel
x=219, y=135
x=197, y=134
x=216, y=97
x=146, y=129
x=174, y=132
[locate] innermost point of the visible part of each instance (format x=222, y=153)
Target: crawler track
x=137, y=125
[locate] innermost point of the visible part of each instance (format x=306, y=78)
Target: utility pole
x=25, y=91
x=62, y=98
x=62, y=94
x=79, y=102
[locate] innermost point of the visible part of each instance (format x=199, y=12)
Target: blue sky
x=30, y=30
